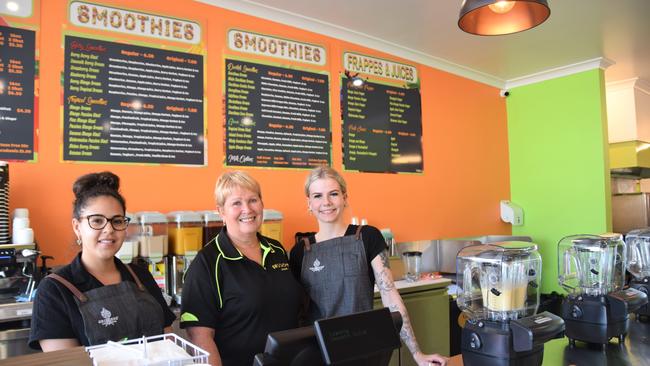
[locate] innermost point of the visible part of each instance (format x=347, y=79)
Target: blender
x=499, y=294
x=592, y=271
x=638, y=264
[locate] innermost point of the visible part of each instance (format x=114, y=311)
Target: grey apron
x=114, y=312
x=335, y=275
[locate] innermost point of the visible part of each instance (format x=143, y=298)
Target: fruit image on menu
x=17, y=72
x=132, y=104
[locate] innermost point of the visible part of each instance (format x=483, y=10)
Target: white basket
x=196, y=354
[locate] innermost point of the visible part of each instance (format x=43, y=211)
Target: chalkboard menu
x=276, y=117
x=17, y=71
x=132, y=104
x=382, y=128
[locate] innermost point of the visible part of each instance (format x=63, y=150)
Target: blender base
x=594, y=319
x=643, y=313
x=491, y=345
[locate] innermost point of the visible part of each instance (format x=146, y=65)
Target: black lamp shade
x=477, y=18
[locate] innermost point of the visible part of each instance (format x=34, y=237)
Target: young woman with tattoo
x=339, y=264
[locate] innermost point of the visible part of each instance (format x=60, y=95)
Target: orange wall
x=465, y=148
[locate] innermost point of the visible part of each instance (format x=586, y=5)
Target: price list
x=276, y=117
x=132, y=104
x=382, y=128
x=17, y=72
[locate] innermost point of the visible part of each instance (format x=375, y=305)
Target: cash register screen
x=361, y=339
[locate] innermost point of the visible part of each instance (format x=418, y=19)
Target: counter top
x=634, y=351
x=420, y=285
x=74, y=356
x=15, y=311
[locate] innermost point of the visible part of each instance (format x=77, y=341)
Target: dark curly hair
x=94, y=185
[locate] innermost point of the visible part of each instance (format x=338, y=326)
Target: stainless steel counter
x=14, y=328
x=11, y=311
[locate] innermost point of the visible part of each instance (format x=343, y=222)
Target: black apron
x=335, y=275
x=115, y=312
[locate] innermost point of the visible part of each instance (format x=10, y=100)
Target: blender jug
x=412, y=265
x=499, y=282
x=591, y=264
x=638, y=253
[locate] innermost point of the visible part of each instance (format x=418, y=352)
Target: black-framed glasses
x=98, y=222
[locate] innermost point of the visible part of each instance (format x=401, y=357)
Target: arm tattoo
x=391, y=299
x=384, y=259
x=406, y=333
x=383, y=276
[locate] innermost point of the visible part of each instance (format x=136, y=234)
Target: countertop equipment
x=18, y=270
x=499, y=294
x=638, y=264
x=591, y=270
x=440, y=255
x=18, y=279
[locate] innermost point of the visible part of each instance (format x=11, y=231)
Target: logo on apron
x=108, y=320
x=316, y=266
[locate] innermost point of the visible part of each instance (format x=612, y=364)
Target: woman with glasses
x=97, y=298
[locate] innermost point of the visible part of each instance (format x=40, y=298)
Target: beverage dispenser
x=638, y=264
x=272, y=225
x=592, y=271
x=131, y=245
x=153, y=241
x=212, y=224
x=185, y=241
x=499, y=294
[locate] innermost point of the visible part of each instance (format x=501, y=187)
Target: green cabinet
x=428, y=308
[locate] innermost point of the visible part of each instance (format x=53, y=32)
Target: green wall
x=559, y=169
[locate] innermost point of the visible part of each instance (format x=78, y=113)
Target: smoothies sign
x=135, y=23
x=259, y=44
x=128, y=103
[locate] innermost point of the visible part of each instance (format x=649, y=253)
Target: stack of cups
x=4, y=202
x=22, y=233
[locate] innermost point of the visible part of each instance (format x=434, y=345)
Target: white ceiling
x=425, y=31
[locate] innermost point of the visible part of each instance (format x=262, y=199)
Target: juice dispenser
x=185, y=232
x=638, y=264
x=499, y=294
x=592, y=270
x=212, y=224
x=272, y=225
x=153, y=245
x=131, y=245
x=185, y=241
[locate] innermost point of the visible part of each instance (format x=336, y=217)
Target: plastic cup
x=21, y=212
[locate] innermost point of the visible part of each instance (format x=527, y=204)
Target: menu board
x=17, y=72
x=132, y=104
x=382, y=128
x=276, y=117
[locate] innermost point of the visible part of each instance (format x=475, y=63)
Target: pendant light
x=497, y=17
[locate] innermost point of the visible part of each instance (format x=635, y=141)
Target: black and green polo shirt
x=240, y=299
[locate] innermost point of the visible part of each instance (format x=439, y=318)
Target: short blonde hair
x=229, y=181
x=325, y=171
